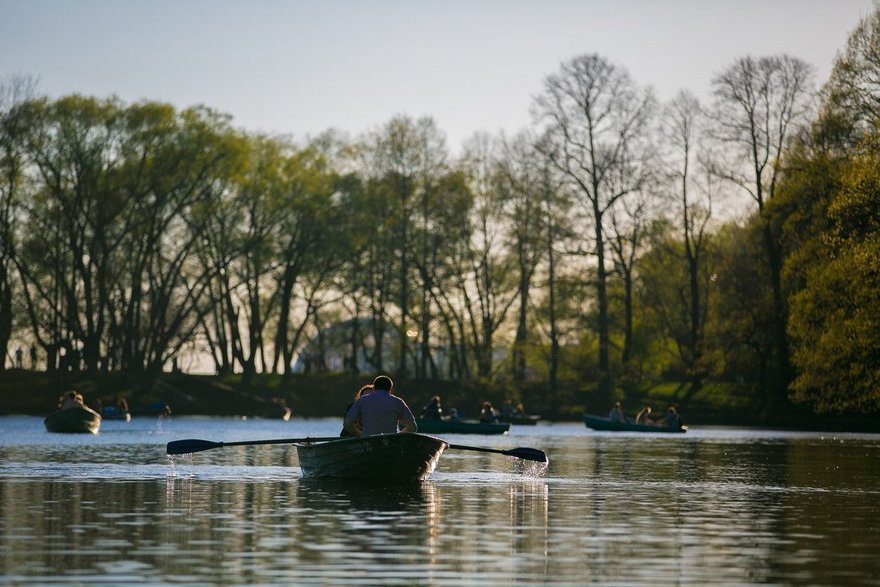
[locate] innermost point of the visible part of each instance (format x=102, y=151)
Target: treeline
x=619, y=240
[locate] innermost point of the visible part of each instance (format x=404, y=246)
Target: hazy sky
x=297, y=67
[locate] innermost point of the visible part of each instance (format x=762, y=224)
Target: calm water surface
x=719, y=506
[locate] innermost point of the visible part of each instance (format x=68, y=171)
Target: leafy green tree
x=737, y=324
x=835, y=319
x=74, y=145
x=314, y=228
x=108, y=263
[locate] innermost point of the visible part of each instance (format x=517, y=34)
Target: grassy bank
x=326, y=395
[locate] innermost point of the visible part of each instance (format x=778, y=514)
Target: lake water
x=715, y=505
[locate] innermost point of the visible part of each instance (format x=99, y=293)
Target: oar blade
x=528, y=454
x=189, y=446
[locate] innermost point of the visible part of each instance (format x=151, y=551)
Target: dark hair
x=383, y=382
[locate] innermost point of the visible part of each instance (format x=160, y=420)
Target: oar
x=529, y=454
x=191, y=445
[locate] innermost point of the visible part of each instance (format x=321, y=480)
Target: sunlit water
x=719, y=506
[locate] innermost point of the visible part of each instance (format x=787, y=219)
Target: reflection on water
x=721, y=507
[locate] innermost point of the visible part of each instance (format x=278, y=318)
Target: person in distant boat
x=72, y=399
x=616, y=413
x=643, y=417
x=488, y=415
x=670, y=420
x=433, y=410
x=364, y=390
x=380, y=412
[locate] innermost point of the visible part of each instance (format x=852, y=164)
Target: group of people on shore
x=644, y=416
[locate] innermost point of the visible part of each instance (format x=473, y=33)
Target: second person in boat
x=488, y=415
x=380, y=412
x=433, y=410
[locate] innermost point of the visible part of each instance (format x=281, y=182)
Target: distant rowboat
x=389, y=458
x=80, y=420
x=605, y=424
x=430, y=426
x=114, y=413
x=521, y=419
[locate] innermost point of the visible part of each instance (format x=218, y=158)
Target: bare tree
x=485, y=284
x=557, y=230
x=520, y=179
x=595, y=120
x=853, y=91
x=758, y=102
x=629, y=226
x=14, y=91
x=682, y=127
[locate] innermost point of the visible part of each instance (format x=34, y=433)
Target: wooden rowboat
x=604, y=424
x=82, y=420
x=387, y=458
x=461, y=427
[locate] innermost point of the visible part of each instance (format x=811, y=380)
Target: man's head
x=383, y=382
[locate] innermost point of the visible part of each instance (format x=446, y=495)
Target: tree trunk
x=605, y=381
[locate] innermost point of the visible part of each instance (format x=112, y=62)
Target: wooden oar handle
x=193, y=445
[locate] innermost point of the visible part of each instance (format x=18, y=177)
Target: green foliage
x=835, y=319
x=133, y=232
x=741, y=308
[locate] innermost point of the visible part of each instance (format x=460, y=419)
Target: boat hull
x=74, y=420
x=522, y=420
x=604, y=424
x=111, y=413
x=460, y=427
x=385, y=458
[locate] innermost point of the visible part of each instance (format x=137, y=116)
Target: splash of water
x=530, y=468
